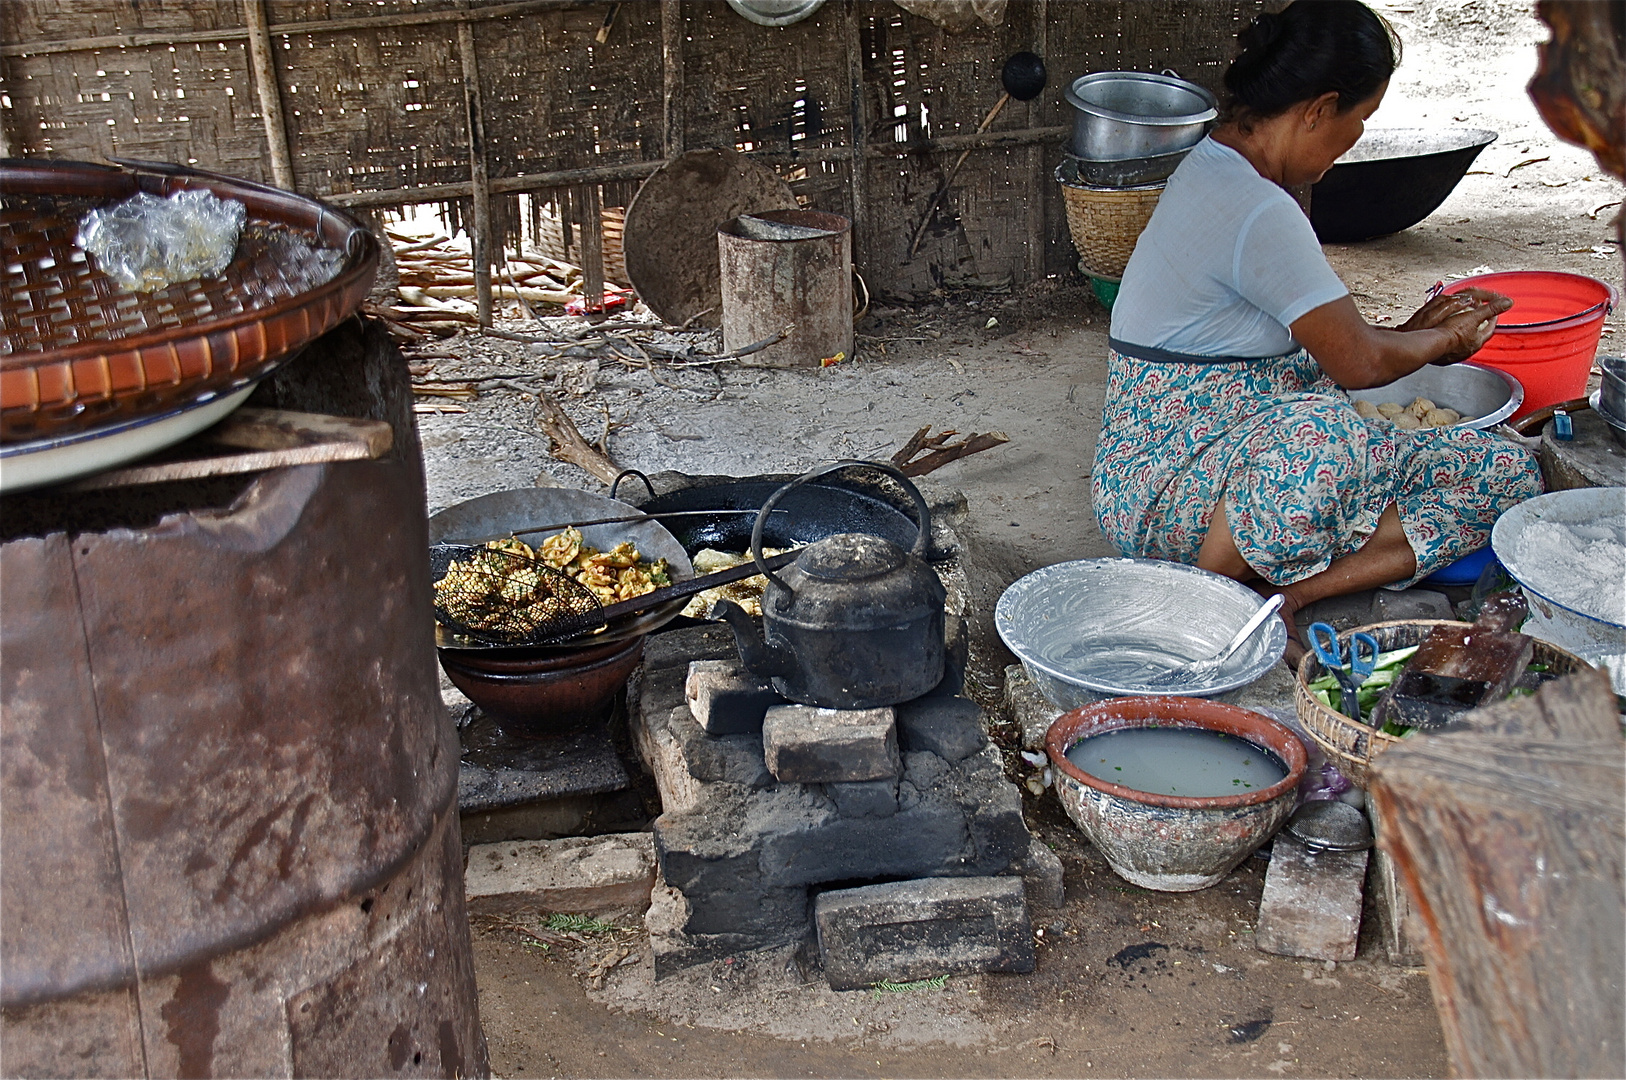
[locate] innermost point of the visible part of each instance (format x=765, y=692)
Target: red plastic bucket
x=1547, y=341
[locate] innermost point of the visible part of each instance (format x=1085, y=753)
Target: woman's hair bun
x=1265, y=28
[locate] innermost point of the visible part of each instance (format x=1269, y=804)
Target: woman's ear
x=1324, y=107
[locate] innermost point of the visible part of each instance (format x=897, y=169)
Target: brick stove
x=922, y=866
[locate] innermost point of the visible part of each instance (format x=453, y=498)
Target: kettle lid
x=850, y=557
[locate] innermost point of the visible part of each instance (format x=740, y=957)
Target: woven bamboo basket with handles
x=77, y=352
x=1106, y=222
x=1353, y=746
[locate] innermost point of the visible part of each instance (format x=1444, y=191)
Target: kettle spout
x=760, y=658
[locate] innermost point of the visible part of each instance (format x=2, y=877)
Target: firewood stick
x=973, y=444
x=910, y=448
x=568, y=443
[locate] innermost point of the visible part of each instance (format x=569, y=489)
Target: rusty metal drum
x=788, y=268
x=229, y=785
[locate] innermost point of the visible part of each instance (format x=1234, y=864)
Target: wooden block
x=1401, y=933
x=1511, y=834
x=1311, y=906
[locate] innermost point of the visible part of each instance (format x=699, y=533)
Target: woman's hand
x=1468, y=316
x=1359, y=355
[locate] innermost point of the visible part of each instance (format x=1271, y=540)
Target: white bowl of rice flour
x=1567, y=551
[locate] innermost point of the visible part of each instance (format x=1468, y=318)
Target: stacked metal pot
x=1130, y=130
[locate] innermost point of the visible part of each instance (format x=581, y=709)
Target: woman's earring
x=1313, y=124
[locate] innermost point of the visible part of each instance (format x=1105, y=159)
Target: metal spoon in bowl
x=1197, y=670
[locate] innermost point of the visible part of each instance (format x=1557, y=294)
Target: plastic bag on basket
x=147, y=243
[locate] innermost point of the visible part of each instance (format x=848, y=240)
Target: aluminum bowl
x=1120, y=115
x=1484, y=396
x=1100, y=628
x=1609, y=399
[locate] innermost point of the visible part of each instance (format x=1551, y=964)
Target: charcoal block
x=908, y=930
x=865, y=798
x=950, y=727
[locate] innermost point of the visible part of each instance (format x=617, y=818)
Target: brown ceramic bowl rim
x=516, y=670
x=1116, y=714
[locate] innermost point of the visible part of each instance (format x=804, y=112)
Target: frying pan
x=504, y=511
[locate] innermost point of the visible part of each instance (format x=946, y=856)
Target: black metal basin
x=1392, y=179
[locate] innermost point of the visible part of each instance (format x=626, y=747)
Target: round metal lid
x=850, y=557
x=1329, y=825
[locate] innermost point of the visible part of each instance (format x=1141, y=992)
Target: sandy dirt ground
x=1129, y=983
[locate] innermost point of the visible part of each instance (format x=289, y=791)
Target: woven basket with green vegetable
x=1352, y=745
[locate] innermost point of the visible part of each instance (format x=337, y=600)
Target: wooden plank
x=592, y=238
x=1510, y=837
x=269, y=93
x=858, y=136
x=268, y=439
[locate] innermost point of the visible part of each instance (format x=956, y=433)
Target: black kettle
x=856, y=622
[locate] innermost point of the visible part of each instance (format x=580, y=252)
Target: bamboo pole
x=672, y=76
x=1039, y=176
x=322, y=26
x=637, y=170
x=479, y=182
x=860, y=129
x=264, y=69
x=592, y=238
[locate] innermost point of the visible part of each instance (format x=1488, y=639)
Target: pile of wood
x=436, y=271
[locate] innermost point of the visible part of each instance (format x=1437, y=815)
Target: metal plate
x=1105, y=626
x=775, y=12
x=670, y=236
x=526, y=508
x=1329, y=825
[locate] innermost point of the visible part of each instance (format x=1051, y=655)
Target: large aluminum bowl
x=1484, y=396
x=1101, y=627
x=1120, y=115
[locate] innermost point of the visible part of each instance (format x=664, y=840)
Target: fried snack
x=747, y=593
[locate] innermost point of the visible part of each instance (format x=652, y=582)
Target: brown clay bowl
x=544, y=691
x=1173, y=843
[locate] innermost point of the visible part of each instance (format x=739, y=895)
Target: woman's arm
x=1358, y=355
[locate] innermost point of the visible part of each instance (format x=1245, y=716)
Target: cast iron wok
x=1392, y=179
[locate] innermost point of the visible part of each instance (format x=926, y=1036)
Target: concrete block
x=865, y=798
x=733, y=759
x=908, y=930
x=1040, y=870
x=578, y=874
x=932, y=838
x=1398, y=925
x=808, y=745
x=1388, y=604
x=950, y=727
x=661, y=752
x=726, y=699
x=709, y=850
x=1032, y=712
x=767, y=914
x=675, y=950
x=1311, y=905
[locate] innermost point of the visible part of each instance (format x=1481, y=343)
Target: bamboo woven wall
x=372, y=96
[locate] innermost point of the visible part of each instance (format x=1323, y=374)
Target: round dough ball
x=1442, y=417
x=1390, y=409
x=1366, y=409
x=1420, y=407
x=1408, y=421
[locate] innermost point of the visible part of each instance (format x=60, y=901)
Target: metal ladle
x=1197, y=670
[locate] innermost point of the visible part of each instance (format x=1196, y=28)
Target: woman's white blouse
x=1225, y=266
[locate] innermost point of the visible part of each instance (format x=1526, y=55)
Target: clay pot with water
x=1174, y=842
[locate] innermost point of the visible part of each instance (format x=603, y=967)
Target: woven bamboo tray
x=1106, y=222
x=78, y=352
x=550, y=240
x=1353, y=746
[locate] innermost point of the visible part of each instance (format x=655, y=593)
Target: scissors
x=1363, y=656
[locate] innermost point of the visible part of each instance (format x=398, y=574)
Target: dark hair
x=1310, y=48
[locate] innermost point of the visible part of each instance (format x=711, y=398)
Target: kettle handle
x=923, y=516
